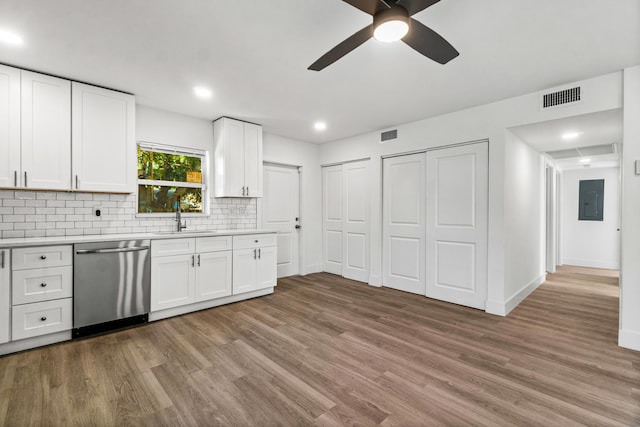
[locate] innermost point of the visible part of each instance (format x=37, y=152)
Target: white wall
x=524, y=221
x=483, y=122
x=630, y=260
x=591, y=243
x=277, y=149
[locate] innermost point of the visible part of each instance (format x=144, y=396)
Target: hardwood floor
x=328, y=351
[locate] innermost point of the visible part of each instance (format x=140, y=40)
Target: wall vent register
x=561, y=97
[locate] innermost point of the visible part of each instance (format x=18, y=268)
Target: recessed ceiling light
x=571, y=135
x=585, y=160
x=202, y=92
x=9, y=37
x=320, y=126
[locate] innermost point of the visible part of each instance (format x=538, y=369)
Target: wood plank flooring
x=328, y=351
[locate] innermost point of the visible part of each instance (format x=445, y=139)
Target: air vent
x=561, y=97
x=594, y=150
x=389, y=135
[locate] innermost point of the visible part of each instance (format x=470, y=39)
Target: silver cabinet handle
x=109, y=251
x=43, y=257
x=76, y=182
x=25, y=179
x=193, y=260
x=15, y=178
x=198, y=260
x=43, y=318
x=2, y=261
x=44, y=285
x=247, y=190
x=259, y=254
x=254, y=253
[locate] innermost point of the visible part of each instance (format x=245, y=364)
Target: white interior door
x=457, y=193
x=355, y=231
x=281, y=212
x=332, y=216
x=403, y=217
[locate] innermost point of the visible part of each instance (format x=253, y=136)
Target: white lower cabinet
x=213, y=275
x=5, y=296
x=41, y=318
x=42, y=289
x=186, y=278
x=172, y=281
x=254, y=262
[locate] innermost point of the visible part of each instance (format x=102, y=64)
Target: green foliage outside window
x=159, y=177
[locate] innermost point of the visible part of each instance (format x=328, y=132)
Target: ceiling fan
x=392, y=21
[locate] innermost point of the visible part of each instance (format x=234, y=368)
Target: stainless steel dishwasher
x=111, y=285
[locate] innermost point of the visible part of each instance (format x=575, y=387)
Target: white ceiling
x=254, y=55
x=599, y=128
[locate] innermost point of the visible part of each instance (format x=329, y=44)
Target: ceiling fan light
x=391, y=31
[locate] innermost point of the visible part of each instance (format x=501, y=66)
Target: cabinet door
x=104, y=147
x=172, y=281
x=253, y=160
x=213, y=275
x=228, y=137
x=5, y=302
x=46, y=132
x=9, y=126
x=267, y=267
x=244, y=270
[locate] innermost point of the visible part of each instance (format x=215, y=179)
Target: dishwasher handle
x=112, y=251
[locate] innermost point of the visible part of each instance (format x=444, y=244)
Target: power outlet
x=96, y=211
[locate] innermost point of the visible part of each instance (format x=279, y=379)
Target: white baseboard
x=593, y=263
x=176, y=311
x=503, y=308
x=311, y=268
x=629, y=339
x=375, y=281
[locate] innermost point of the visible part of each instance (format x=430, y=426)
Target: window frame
x=184, y=151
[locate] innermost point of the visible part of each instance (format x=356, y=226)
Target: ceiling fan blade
x=415, y=6
x=368, y=6
x=429, y=43
x=343, y=48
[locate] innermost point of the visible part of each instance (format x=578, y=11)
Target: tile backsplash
x=48, y=213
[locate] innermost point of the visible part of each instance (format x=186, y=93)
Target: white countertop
x=68, y=240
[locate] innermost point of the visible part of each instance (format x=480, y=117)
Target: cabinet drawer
x=213, y=244
x=169, y=247
x=254, y=241
x=41, y=257
x=42, y=284
x=41, y=318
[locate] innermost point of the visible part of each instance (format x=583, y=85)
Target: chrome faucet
x=181, y=225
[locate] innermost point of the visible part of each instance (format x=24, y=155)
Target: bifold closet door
x=403, y=217
x=345, y=221
x=332, y=216
x=355, y=231
x=456, y=238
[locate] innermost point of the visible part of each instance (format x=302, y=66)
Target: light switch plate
x=637, y=167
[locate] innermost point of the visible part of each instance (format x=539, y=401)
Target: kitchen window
x=166, y=172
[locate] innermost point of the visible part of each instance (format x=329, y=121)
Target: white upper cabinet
x=46, y=132
x=237, y=158
x=9, y=126
x=103, y=135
